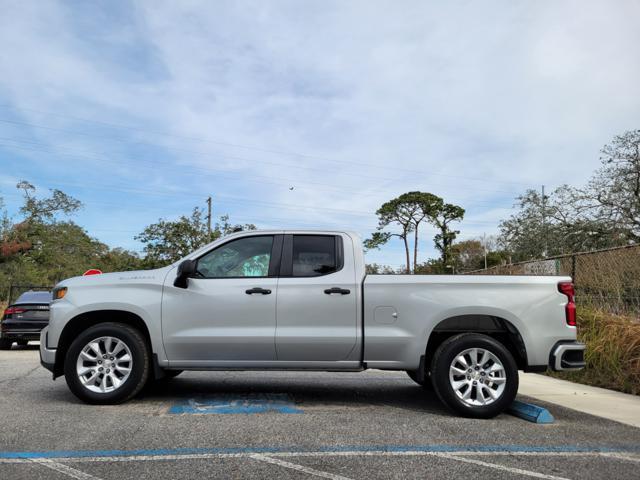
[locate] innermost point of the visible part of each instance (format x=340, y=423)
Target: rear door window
x=315, y=255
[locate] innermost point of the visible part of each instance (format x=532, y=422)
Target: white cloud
x=473, y=101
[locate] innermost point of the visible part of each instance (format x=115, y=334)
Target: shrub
x=613, y=351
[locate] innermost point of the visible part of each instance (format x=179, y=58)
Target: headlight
x=59, y=293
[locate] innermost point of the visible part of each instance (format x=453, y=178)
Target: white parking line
x=299, y=468
x=277, y=458
x=621, y=456
x=617, y=455
x=346, y=453
x=504, y=468
x=65, y=469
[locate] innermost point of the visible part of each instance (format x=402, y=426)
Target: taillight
x=567, y=289
x=12, y=310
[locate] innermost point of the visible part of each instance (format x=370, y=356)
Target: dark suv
x=23, y=319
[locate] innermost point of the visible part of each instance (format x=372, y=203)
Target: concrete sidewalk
x=621, y=407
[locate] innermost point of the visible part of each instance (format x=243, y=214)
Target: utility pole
x=484, y=244
x=209, y=216
x=544, y=226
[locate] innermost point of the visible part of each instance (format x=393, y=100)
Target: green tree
x=169, y=240
x=445, y=215
x=565, y=221
x=119, y=260
x=408, y=211
x=39, y=210
x=376, y=269
x=613, y=192
x=467, y=255
x=605, y=213
x=432, y=266
x=41, y=249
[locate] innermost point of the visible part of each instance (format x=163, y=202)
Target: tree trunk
x=445, y=247
x=406, y=249
x=415, y=248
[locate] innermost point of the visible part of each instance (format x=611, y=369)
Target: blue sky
x=143, y=109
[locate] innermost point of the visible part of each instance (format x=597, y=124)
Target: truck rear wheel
x=107, y=364
x=474, y=375
x=5, y=344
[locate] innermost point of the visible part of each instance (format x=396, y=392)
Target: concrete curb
x=620, y=407
x=530, y=412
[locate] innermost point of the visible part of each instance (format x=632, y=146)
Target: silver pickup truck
x=301, y=300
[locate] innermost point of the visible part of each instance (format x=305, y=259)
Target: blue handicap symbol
x=237, y=404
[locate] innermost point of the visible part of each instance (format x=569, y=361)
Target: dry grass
x=613, y=351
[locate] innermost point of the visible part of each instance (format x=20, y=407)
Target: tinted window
x=245, y=257
x=314, y=255
x=34, y=297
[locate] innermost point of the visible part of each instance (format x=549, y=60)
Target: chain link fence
x=606, y=279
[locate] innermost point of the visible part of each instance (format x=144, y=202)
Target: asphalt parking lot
x=288, y=425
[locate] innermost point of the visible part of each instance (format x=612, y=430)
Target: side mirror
x=185, y=270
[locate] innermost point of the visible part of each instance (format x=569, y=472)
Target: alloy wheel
x=104, y=364
x=477, y=376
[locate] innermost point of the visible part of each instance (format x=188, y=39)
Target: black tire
x=23, y=343
x=5, y=344
x=139, y=370
x=445, y=355
x=426, y=384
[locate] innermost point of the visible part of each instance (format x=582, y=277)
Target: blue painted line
x=530, y=412
x=634, y=448
x=234, y=404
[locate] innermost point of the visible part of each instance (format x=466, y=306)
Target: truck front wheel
x=474, y=375
x=107, y=364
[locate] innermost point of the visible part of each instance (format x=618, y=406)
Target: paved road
x=317, y=425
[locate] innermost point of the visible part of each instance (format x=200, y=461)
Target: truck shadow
x=308, y=391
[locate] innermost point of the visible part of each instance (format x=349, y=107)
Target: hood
x=118, y=278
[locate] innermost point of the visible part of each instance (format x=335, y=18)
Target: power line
x=185, y=170
x=205, y=155
x=238, y=200
x=240, y=218
x=341, y=162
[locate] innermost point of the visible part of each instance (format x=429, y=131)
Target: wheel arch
x=494, y=326
x=85, y=320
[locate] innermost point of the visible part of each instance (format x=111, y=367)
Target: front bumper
x=47, y=355
x=567, y=356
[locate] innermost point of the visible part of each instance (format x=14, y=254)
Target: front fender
x=143, y=302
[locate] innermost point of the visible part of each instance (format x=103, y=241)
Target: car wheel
x=426, y=383
x=23, y=343
x=474, y=375
x=5, y=344
x=107, y=364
